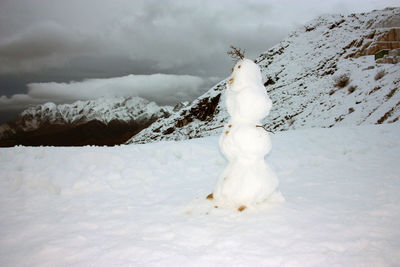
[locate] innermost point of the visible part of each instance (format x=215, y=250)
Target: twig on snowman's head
x=236, y=53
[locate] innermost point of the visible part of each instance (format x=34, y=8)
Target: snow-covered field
x=143, y=205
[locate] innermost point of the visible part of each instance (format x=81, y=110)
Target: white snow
x=144, y=205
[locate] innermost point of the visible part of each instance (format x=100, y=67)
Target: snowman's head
x=245, y=73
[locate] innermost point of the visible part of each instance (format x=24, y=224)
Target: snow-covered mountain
x=100, y=121
x=324, y=74
x=104, y=110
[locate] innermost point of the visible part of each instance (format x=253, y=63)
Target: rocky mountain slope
x=105, y=121
x=324, y=74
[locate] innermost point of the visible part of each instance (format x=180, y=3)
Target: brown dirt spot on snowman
x=242, y=208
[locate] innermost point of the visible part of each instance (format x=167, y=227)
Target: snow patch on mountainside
x=305, y=77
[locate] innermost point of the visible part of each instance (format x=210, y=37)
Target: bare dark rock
x=169, y=130
x=205, y=108
x=90, y=133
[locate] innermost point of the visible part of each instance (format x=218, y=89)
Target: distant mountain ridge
x=322, y=75
x=104, y=121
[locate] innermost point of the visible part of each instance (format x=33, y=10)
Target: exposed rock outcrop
x=383, y=33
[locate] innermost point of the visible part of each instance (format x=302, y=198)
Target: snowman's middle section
x=247, y=179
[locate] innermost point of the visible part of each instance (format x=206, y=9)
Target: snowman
x=247, y=180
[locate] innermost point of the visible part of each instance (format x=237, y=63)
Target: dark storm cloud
x=42, y=46
x=171, y=34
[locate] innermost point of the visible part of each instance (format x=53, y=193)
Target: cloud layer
x=161, y=88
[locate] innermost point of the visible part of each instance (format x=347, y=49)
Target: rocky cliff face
x=323, y=75
x=384, y=34
x=96, y=122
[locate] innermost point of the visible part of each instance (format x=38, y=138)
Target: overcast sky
x=60, y=51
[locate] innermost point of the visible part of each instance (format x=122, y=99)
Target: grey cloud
x=172, y=34
x=161, y=88
x=18, y=102
x=47, y=44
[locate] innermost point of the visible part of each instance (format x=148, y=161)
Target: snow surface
x=143, y=205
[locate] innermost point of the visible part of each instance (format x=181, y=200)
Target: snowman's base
x=203, y=206
x=211, y=197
